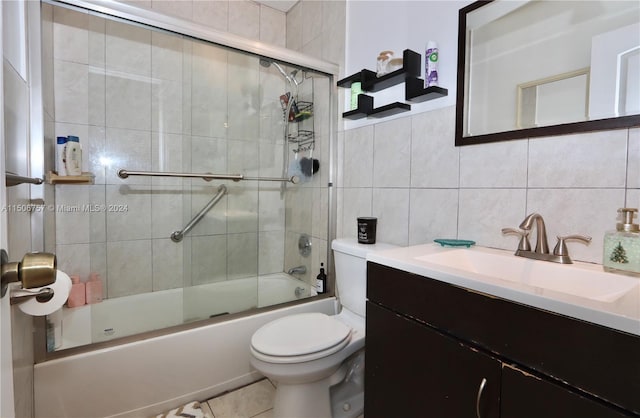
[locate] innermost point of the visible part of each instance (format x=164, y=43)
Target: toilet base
x=340, y=395
x=310, y=400
x=347, y=397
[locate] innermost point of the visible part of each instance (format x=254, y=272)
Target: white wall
x=406, y=171
x=374, y=26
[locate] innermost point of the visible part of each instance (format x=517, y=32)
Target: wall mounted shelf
x=390, y=109
x=53, y=178
x=370, y=82
x=365, y=109
x=365, y=106
x=415, y=91
x=410, y=68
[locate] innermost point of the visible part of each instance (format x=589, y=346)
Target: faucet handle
x=524, y=244
x=561, y=247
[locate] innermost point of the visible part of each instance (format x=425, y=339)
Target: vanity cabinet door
x=528, y=396
x=414, y=371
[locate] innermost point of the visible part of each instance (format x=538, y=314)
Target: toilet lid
x=300, y=334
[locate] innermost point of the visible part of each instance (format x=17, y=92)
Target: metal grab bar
x=123, y=174
x=177, y=236
x=14, y=179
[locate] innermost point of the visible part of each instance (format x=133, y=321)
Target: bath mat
x=190, y=410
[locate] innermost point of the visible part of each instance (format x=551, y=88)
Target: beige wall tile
x=501, y=164
x=392, y=153
x=596, y=159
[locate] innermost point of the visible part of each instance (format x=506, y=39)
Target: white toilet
x=304, y=354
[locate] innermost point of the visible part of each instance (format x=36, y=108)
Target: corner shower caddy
x=301, y=130
x=409, y=74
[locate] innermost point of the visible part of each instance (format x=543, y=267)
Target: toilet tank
x=351, y=271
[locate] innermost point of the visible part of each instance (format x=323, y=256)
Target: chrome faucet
x=541, y=252
x=542, y=245
x=297, y=270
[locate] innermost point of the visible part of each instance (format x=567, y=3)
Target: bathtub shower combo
x=206, y=159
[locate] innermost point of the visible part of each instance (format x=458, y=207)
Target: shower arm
x=123, y=174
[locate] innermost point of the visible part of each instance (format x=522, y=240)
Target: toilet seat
x=299, y=338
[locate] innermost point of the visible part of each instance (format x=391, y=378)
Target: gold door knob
x=35, y=270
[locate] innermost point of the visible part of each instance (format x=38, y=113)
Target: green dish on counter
x=455, y=242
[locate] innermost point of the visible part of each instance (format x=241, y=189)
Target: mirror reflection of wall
x=615, y=65
x=511, y=43
x=554, y=100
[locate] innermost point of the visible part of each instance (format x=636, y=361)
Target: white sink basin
x=572, y=279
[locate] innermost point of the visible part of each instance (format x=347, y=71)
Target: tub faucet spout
x=297, y=270
x=542, y=245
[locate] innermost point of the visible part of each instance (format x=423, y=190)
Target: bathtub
x=153, y=375
x=112, y=318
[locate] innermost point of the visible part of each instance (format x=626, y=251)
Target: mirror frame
x=619, y=122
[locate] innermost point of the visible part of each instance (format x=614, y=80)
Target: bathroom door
x=15, y=224
x=6, y=369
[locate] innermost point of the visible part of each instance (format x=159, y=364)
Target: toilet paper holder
x=35, y=270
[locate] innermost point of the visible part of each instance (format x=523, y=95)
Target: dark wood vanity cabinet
x=414, y=371
x=437, y=350
x=525, y=395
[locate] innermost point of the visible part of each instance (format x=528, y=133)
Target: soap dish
x=455, y=242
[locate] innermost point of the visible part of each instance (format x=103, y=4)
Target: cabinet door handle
x=483, y=383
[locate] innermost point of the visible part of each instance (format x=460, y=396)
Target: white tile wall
x=577, y=182
x=129, y=271
x=317, y=28
x=435, y=162
x=392, y=139
x=577, y=160
x=144, y=100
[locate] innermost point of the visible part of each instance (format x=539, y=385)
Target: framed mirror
x=530, y=68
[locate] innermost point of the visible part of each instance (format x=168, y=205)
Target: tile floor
x=252, y=401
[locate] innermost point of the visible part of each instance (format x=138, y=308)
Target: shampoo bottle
x=622, y=246
x=94, y=288
x=77, y=295
x=61, y=144
x=73, y=156
x=321, y=281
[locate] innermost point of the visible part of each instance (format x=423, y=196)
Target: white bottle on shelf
x=61, y=144
x=73, y=156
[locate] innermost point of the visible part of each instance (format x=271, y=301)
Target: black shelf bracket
x=415, y=91
x=390, y=109
x=408, y=74
x=365, y=107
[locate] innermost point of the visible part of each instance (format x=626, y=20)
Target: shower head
x=266, y=64
x=291, y=77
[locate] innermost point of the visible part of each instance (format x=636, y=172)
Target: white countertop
x=622, y=314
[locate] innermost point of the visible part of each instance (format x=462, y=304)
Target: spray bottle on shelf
x=431, y=64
